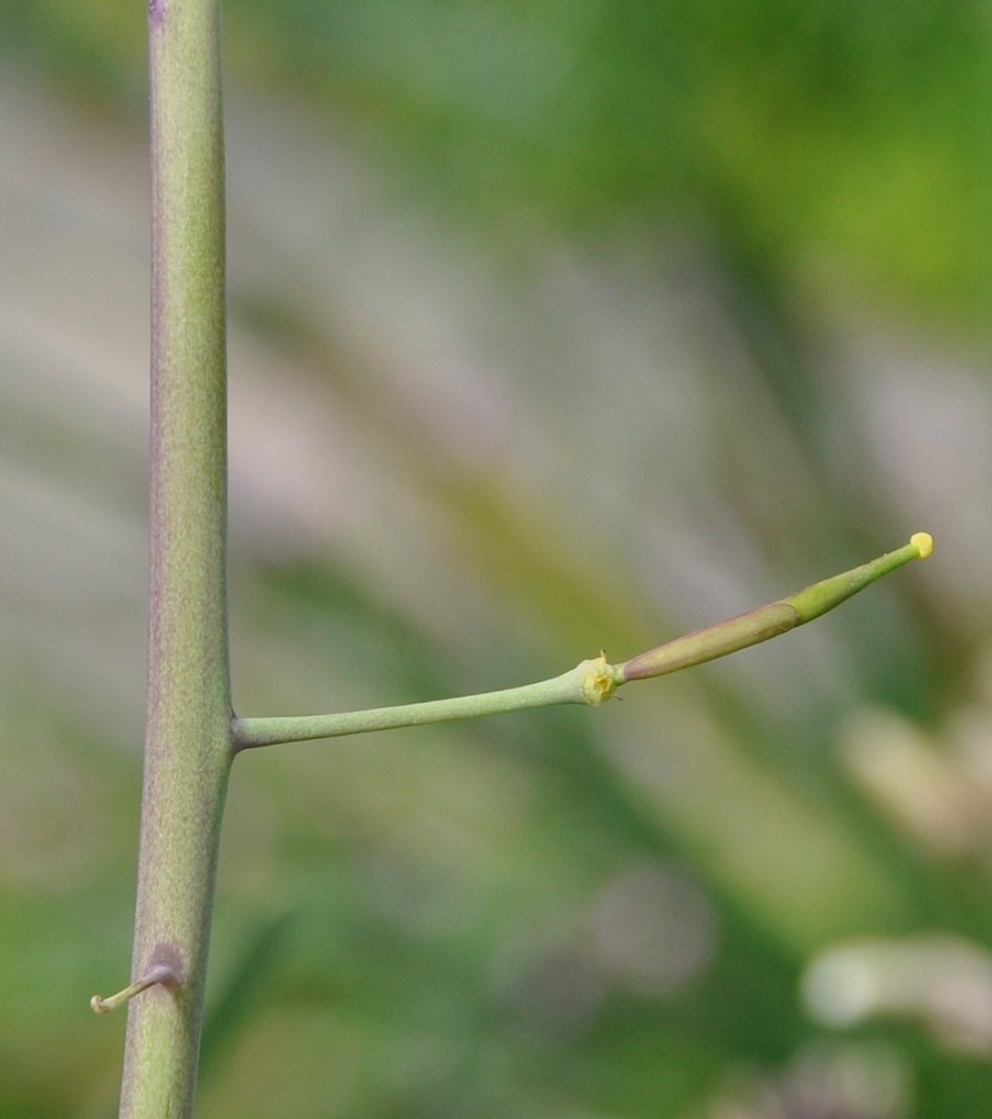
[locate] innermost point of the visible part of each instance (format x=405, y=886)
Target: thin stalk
x=187, y=746
x=567, y=688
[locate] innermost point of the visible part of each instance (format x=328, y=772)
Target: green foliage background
x=553, y=328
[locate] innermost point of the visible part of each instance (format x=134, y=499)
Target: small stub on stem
x=160, y=973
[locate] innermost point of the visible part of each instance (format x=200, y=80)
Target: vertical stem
x=187, y=747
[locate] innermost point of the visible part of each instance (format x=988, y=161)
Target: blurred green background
x=553, y=328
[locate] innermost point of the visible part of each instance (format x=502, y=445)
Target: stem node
x=599, y=681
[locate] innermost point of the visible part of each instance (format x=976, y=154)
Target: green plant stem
x=187, y=747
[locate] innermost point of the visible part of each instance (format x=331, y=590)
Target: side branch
x=593, y=681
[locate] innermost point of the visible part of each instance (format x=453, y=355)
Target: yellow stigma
x=923, y=543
